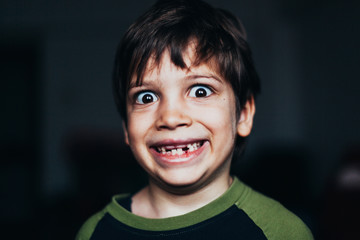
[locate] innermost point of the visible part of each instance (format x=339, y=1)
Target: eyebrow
x=132, y=85
x=195, y=76
x=188, y=78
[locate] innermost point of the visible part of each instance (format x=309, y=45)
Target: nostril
x=168, y=126
x=172, y=116
x=173, y=119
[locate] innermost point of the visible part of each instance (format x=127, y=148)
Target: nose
x=172, y=116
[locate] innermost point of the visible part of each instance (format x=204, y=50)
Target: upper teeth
x=179, y=150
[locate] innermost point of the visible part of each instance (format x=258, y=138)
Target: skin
x=184, y=106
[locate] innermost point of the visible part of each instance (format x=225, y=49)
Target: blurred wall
x=56, y=68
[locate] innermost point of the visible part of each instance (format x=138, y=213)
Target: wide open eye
x=146, y=97
x=200, y=91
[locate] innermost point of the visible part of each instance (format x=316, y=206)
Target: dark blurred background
x=62, y=150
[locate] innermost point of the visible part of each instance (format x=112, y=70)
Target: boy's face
x=182, y=124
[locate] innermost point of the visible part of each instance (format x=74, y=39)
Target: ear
x=245, y=122
x=126, y=135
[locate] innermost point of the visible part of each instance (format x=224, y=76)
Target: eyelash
x=139, y=97
x=196, y=87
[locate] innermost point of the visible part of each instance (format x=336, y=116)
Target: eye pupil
x=200, y=92
x=147, y=98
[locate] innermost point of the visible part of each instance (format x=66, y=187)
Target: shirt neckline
x=225, y=201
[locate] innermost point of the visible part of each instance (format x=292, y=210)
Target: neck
x=156, y=202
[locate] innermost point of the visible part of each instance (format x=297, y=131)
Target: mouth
x=178, y=149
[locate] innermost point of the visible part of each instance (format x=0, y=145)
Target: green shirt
x=240, y=213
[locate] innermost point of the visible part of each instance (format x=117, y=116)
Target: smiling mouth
x=180, y=149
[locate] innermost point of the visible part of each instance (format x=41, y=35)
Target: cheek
x=220, y=118
x=137, y=125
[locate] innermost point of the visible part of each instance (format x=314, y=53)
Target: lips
x=177, y=151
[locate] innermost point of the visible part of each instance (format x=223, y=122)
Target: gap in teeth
x=179, y=151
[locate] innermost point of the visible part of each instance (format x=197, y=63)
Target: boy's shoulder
x=273, y=218
x=89, y=226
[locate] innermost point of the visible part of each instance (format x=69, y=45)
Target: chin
x=184, y=181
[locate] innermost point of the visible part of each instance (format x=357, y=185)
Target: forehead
x=165, y=66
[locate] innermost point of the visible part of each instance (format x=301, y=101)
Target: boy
x=185, y=85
